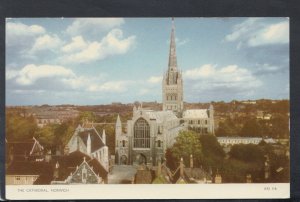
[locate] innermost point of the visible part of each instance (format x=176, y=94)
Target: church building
x=149, y=133
x=172, y=86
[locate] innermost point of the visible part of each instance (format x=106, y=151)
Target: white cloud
x=266, y=69
x=112, y=44
x=20, y=29
x=255, y=32
x=110, y=86
x=273, y=34
x=209, y=77
x=78, y=43
x=179, y=42
x=182, y=42
x=29, y=74
x=46, y=42
x=10, y=74
x=243, y=29
x=19, y=33
x=63, y=78
x=155, y=79
x=87, y=25
x=204, y=71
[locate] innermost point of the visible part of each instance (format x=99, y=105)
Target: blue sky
x=88, y=61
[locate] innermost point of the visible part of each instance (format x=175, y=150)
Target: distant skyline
x=91, y=61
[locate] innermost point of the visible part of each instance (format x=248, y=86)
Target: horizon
x=97, y=61
x=128, y=103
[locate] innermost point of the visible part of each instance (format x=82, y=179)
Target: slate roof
x=68, y=164
x=161, y=116
x=195, y=113
x=20, y=150
x=43, y=169
x=96, y=140
x=193, y=174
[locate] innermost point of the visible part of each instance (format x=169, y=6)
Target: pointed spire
x=181, y=167
x=118, y=123
x=89, y=145
x=172, y=54
x=104, y=136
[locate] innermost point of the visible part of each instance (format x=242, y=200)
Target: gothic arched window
x=141, y=134
x=158, y=143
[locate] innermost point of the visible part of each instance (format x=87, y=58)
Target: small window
x=123, y=143
x=158, y=143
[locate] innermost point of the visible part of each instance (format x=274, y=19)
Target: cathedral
x=149, y=133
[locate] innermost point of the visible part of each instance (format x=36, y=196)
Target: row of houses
x=85, y=160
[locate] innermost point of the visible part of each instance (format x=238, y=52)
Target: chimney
x=104, y=137
x=218, y=178
x=48, y=156
x=159, y=168
x=248, y=178
x=191, y=161
x=56, y=174
x=89, y=145
x=181, y=167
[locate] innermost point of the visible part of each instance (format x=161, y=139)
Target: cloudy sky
x=102, y=60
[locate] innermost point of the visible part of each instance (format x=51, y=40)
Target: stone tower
x=121, y=144
x=172, y=86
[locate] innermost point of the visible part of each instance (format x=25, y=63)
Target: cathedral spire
x=172, y=55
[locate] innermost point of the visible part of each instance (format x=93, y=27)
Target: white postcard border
x=145, y=191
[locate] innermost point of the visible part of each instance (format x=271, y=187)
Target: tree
x=171, y=161
x=213, y=153
x=227, y=128
x=280, y=126
x=251, y=128
x=247, y=153
x=18, y=127
x=187, y=143
x=211, y=146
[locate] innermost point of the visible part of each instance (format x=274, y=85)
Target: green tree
x=227, y=128
x=280, y=126
x=251, y=128
x=247, y=153
x=171, y=161
x=187, y=143
x=213, y=153
x=19, y=127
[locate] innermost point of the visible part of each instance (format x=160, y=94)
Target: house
x=28, y=173
x=74, y=168
x=87, y=140
x=192, y=175
x=24, y=150
x=78, y=168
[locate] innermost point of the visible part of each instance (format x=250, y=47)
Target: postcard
x=147, y=108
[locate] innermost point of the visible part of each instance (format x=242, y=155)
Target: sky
x=90, y=61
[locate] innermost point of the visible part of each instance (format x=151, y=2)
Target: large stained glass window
x=141, y=134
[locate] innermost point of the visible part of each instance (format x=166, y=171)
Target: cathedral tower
x=172, y=81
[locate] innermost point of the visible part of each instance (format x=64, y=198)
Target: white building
x=87, y=140
x=200, y=120
x=229, y=141
x=150, y=133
